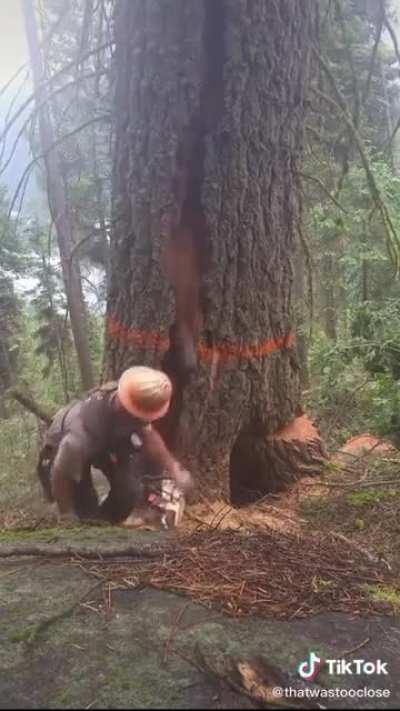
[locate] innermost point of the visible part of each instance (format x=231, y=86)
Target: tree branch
x=356, y=109
x=74, y=82
x=390, y=29
x=30, y=404
x=324, y=190
x=392, y=239
x=372, y=60
x=35, y=160
x=50, y=81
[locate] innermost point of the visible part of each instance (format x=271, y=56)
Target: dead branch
x=360, y=549
x=6, y=86
x=391, y=236
x=36, y=110
x=202, y=666
x=324, y=190
x=67, y=551
x=34, y=161
x=30, y=404
x=40, y=627
x=49, y=82
x=9, y=113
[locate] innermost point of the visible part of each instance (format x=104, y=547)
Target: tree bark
x=214, y=91
x=58, y=204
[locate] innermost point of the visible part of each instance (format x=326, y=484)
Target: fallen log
x=65, y=551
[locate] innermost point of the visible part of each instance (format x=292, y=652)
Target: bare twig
x=50, y=81
x=173, y=631
x=60, y=140
x=354, y=649
x=360, y=549
x=324, y=190
x=35, y=112
x=42, y=626
x=392, y=239
x=9, y=112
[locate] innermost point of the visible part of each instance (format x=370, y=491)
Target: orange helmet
x=145, y=392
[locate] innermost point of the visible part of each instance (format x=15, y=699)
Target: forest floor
x=213, y=615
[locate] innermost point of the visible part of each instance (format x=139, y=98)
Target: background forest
x=346, y=284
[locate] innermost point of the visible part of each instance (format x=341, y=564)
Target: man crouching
x=103, y=431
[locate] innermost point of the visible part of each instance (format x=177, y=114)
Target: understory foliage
x=352, y=194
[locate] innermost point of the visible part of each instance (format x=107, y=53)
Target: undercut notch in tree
x=261, y=465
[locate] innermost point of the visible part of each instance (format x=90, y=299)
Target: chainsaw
x=167, y=498
x=162, y=493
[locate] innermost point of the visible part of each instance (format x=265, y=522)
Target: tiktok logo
x=309, y=669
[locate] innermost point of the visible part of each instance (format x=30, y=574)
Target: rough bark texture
x=220, y=88
x=58, y=205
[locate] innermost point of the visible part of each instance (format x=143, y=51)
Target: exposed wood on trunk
x=58, y=203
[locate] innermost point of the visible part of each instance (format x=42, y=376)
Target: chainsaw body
x=169, y=500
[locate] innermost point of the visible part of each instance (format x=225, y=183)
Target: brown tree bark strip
x=58, y=204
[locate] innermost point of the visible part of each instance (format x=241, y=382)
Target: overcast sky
x=13, y=51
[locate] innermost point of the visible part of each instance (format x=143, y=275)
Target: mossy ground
x=63, y=650
x=141, y=651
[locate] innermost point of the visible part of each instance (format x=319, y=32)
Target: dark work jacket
x=96, y=423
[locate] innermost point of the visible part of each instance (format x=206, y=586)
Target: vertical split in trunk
x=181, y=361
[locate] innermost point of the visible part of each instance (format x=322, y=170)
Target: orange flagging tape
x=225, y=351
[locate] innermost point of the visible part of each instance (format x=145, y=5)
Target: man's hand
x=183, y=479
x=159, y=454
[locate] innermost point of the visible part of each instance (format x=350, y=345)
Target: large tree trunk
x=58, y=203
x=215, y=88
